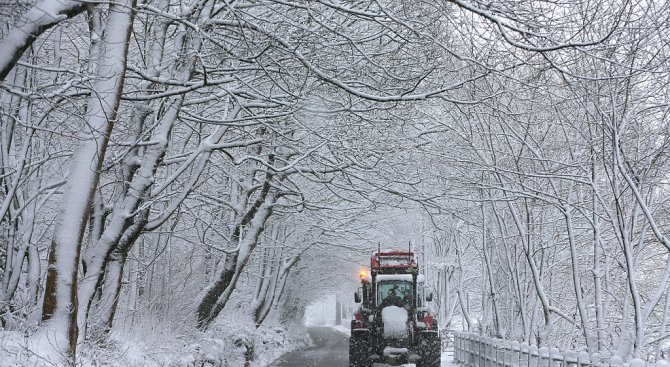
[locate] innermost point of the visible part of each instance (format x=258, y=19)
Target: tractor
x=393, y=324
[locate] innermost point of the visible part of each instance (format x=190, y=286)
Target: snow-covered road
x=330, y=349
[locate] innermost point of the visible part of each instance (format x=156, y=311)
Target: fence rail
x=480, y=351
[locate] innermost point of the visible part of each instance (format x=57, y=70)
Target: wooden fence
x=480, y=351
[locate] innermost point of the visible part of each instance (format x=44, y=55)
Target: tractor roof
x=393, y=262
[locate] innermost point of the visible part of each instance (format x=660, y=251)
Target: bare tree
x=60, y=310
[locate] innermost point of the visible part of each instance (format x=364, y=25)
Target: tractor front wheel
x=359, y=349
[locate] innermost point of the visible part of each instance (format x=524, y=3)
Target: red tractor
x=393, y=324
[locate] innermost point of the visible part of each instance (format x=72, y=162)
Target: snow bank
x=395, y=322
x=346, y=330
x=233, y=345
x=13, y=348
x=447, y=358
x=267, y=344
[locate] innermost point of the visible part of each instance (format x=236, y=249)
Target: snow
x=342, y=329
x=47, y=343
x=44, y=14
x=447, y=359
x=395, y=322
x=155, y=346
x=12, y=347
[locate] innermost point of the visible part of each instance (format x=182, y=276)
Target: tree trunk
x=59, y=311
x=576, y=279
x=218, y=294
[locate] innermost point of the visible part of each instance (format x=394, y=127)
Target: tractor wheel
x=431, y=350
x=359, y=350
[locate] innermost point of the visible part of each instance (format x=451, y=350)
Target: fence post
x=455, y=356
x=570, y=358
x=555, y=358
x=637, y=362
x=477, y=348
x=485, y=352
x=489, y=352
x=616, y=361
x=500, y=352
x=506, y=352
x=515, y=354
x=465, y=354
x=471, y=350
x=457, y=341
x=583, y=359
x=596, y=360
x=494, y=352
x=464, y=348
x=525, y=353
x=467, y=349
x=482, y=351
x=534, y=357
x=543, y=357
x=474, y=347
x=458, y=346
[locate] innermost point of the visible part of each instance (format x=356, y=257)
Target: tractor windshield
x=394, y=293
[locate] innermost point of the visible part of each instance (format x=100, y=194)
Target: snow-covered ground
x=223, y=345
x=343, y=329
x=448, y=358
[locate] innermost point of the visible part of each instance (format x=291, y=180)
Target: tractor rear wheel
x=431, y=350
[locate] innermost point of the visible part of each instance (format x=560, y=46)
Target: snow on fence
x=446, y=336
x=480, y=351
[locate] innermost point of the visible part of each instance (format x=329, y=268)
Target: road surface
x=330, y=349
